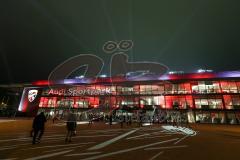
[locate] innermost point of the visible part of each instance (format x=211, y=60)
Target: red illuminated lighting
x=192, y=76
x=41, y=83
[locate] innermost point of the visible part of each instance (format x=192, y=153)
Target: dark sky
x=36, y=36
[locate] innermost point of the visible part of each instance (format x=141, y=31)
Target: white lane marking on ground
x=96, y=130
x=60, y=145
x=129, y=149
x=151, y=137
x=161, y=132
x=168, y=147
x=180, y=130
x=49, y=155
x=63, y=137
x=155, y=156
x=181, y=139
x=147, y=134
x=106, y=143
x=106, y=135
x=82, y=154
x=64, y=148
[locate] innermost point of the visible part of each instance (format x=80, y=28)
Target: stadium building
x=204, y=97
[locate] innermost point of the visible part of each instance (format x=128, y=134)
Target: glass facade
x=208, y=101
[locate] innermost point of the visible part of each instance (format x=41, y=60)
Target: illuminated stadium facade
x=203, y=97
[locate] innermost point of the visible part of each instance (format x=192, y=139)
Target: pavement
x=104, y=142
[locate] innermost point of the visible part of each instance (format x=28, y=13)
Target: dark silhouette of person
x=90, y=117
x=38, y=127
x=121, y=120
x=110, y=119
x=71, y=127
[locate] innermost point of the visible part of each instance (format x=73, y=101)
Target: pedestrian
x=140, y=119
x=54, y=118
x=90, y=117
x=121, y=120
x=38, y=127
x=71, y=127
x=110, y=119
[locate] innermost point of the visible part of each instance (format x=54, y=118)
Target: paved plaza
x=103, y=142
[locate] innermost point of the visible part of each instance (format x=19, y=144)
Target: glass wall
x=182, y=88
x=151, y=89
x=210, y=102
x=210, y=117
x=229, y=87
x=205, y=87
x=203, y=117
x=178, y=102
x=152, y=101
x=232, y=101
x=69, y=102
x=231, y=118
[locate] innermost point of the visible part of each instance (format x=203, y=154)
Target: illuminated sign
x=77, y=92
x=32, y=94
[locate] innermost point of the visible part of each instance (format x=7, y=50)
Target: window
x=178, y=102
x=48, y=102
x=153, y=101
x=217, y=117
x=205, y=87
x=182, y=88
x=125, y=101
x=151, y=89
x=203, y=117
x=78, y=102
x=228, y=87
x=208, y=102
x=231, y=118
x=232, y=101
x=126, y=90
x=238, y=86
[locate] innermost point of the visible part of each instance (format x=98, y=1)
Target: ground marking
x=106, y=143
x=152, y=137
x=181, y=139
x=128, y=150
x=155, y=156
x=74, y=147
x=48, y=155
x=60, y=145
x=147, y=134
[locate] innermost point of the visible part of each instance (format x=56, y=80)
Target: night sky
x=36, y=36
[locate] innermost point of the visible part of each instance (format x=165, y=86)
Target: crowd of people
x=127, y=119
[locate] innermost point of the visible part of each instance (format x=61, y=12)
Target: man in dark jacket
x=38, y=127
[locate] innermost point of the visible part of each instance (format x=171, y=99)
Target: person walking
x=90, y=119
x=38, y=127
x=71, y=127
